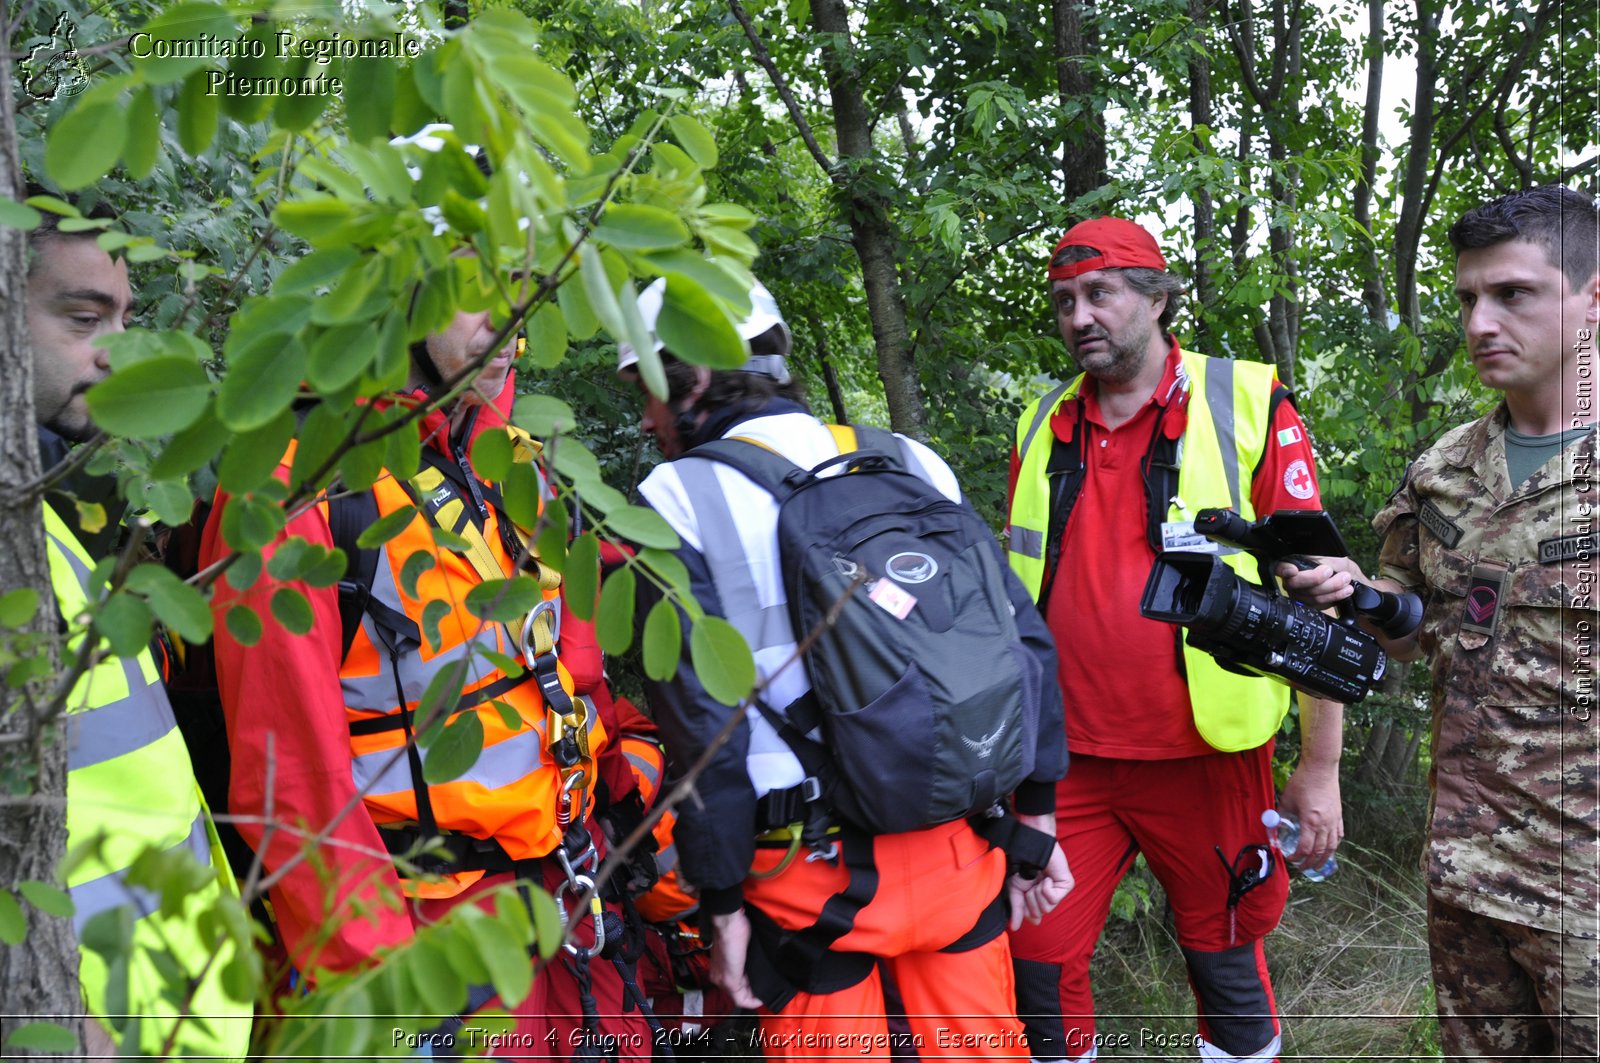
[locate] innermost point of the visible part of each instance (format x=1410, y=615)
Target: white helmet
x=763, y=318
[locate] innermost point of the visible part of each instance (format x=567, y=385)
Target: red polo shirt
x=1122, y=691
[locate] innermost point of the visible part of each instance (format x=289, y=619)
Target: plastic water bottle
x=1288, y=832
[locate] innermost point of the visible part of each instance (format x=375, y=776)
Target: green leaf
x=340, y=355
x=509, y=970
x=721, y=277
x=296, y=113
x=139, y=345
x=262, y=381
x=150, y=398
x=513, y=668
x=386, y=528
x=504, y=600
x=546, y=922
x=640, y=228
x=313, y=218
x=491, y=455
x=546, y=332
x=251, y=522
x=13, y=924
x=249, y=461
x=369, y=96
x=575, y=310
x=49, y=899
x=637, y=524
x=292, y=610
x=244, y=572
x=179, y=24
x=361, y=466
x=543, y=415
x=695, y=328
x=521, y=493
x=244, y=624
x=551, y=546
x=176, y=604
x=668, y=567
x=42, y=1037
x=16, y=215
x=170, y=501
x=728, y=214
x=199, y=110
x=581, y=577
x=663, y=640
x=433, y=615
x=455, y=751
x=614, y=620
x=695, y=140
x=191, y=448
x=85, y=144
x=316, y=270
x=327, y=571
x=124, y=621
x=419, y=562
x=359, y=295
x=722, y=660
x=18, y=607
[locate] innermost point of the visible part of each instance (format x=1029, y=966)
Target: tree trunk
x=829, y=378
x=40, y=976
x=1205, y=211
x=1414, y=180
x=1373, y=294
x=870, y=228
x=1083, y=149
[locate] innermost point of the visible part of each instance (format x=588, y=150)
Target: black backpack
x=923, y=695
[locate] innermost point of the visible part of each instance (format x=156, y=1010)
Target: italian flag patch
x=1290, y=436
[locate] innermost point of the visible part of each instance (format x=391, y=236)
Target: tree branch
x=759, y=51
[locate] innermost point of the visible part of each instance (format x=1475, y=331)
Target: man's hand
x=1311, y=796
x=728, y=953
x=1330, y=583
x=1033, y=898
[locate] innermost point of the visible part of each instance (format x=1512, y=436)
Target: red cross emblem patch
x=1297, y=479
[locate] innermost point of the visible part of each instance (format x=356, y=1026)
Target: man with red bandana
x=1172, y=756
x=320, y=725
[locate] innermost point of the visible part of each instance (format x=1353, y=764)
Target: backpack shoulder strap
x=771, y=470
x=879, y=441
x=348, y=516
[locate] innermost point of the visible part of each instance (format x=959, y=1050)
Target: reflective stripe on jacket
x=1229, y=415
x=131, y=788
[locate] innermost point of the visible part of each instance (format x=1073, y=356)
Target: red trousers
x=1179, y=814
x=933, y=886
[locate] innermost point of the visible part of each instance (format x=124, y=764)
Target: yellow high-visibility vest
x=131, y=787
x=1229, y=417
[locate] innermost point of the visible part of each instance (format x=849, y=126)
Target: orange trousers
x=933, y=885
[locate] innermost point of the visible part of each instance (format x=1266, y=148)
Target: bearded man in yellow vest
x=1172, y=756
x=130, y=784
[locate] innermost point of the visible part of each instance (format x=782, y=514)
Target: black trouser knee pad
x=1233, y=999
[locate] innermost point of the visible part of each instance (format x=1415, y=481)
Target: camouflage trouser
x=1508, y=991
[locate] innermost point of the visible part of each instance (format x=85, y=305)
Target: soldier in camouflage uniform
x=1495, y=527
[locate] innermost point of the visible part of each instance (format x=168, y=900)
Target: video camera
x=1252, y=629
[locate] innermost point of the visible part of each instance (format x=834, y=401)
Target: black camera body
x=1254, y=630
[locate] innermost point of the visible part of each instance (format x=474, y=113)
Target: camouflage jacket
x=1509, y=578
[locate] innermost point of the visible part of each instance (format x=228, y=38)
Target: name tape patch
x=1441, y=525
x=1566, y=548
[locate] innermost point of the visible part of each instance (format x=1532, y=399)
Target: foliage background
x=907, y=168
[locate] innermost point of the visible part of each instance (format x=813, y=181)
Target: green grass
x=1349, y=961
